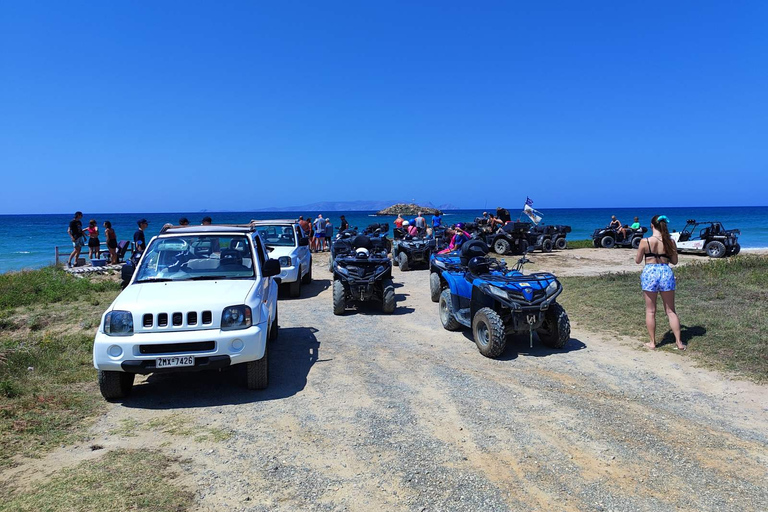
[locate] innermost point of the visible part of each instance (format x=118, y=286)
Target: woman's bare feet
x=680, y=346
x=651, y=345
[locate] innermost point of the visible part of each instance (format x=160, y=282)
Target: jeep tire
x=715, y=249
x=274, y=328
x=446, y=312
x=388, y=296
x=434, y=286
x=257, y=372
x=114, y=385
x=555, y=331
x=488, y=332
x=295, y=287
x=339, y=297
x=307, y=279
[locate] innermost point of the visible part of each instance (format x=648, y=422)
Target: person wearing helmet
x=410, y=228
x=362, y=253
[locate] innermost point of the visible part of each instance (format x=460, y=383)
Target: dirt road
x=368, y=411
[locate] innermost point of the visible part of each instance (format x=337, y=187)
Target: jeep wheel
x=434, y=286
x=501, y=246
x=307, y=279
x=114, y=385
x=388, y=297
x=561, y=244
x=339, y=299
x=735, y=249
x=446, y=311
x=546, y=245
x=488, y=331
x=402, y=259
x=295, y=288
x=607, y=242
x=257, y=372
x=715, y=249
x=555, y=331
x=274, y=328
x=636, y=242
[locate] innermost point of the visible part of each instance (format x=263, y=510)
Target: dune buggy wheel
x=295, y=288
x=488, y=331
x=636, y=242
x=561, y=244
x=715, y=249
x=307, y=279
x=274, y=328
x=257, y=372
x=388, y=297
x=555, y=331
x=735, y=250
x=546, y=245
x=446, y=312
x=114, y=385
x=607, y=242
x=339, y=298
x=501, y=246
x=402, y=258
x=434, y=286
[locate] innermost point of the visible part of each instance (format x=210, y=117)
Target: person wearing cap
x=139, y=241
x=183, y=221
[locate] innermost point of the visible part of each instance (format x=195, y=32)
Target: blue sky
x=183, y=106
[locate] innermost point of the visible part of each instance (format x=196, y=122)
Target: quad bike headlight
x=236, y=317
x=498, y=292
x=118, y=323
x=551, y=288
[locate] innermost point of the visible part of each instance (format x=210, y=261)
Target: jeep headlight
x=236, y=317
x=502, y=294
x=118, y=323
x=551, y=288
x=285, y=261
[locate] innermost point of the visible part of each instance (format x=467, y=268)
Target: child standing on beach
x=111, y=241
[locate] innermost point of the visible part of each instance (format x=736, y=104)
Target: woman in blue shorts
x=658, y=251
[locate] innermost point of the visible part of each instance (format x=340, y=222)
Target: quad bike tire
x=395, y=261
x=402, y=259
x=115, y=385
x=274, y=329
x=595, y=242
x=257, y=372
x=636, y=242
x=446, y=312
x=434, y=287
x=556, y=329
x=307, y=279
x=339, y=298
x=736, y=249
x=501, y=246
x=608, y=242
x=715, y=249
x=388, y=297
x=561, y=244
x=488, y=332
x=546, y=245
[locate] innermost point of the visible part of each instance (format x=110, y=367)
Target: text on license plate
x=169, y=362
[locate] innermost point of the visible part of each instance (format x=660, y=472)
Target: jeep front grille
x=149, y=320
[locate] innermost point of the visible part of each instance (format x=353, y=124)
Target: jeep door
x=302, y=252
x=267, y=284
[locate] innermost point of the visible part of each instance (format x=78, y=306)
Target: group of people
x=90, y=236
x=320, y=231
x=418, y=225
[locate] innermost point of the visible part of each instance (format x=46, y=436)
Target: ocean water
x=28, y=241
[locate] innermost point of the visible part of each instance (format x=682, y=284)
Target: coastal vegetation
x=721, y=303
x=579, y=244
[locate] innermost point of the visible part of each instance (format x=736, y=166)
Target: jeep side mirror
x=303, y=241
x=271, y=268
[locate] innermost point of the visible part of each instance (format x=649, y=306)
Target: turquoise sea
x=28, y=241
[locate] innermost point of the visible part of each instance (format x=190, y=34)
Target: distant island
x=407, y=209
x=350, y=206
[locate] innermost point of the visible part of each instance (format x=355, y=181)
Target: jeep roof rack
x=272, y=221
x=228, y=228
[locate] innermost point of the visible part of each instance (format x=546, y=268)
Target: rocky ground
x=369, y=411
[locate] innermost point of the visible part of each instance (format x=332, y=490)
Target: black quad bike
x=613, y=237
x=511, y=238
x=363, y=273
x=411, y=251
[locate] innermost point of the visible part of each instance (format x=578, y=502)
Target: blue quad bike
x=495, y=302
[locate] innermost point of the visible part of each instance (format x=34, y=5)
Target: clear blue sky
x=238, y=105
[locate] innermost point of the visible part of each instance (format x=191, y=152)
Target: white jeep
x=201, y=297
x=287, y=244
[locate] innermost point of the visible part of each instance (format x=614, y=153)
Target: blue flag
x=528, y=201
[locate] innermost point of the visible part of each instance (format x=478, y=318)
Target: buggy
x=482, y=293
x=362, y=271
x=609, y=237
x=708, y=238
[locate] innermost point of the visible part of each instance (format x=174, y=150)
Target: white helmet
x=406, y=223
x=362, y=252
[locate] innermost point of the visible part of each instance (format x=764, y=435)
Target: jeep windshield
x=278, y=235
x=196, y=257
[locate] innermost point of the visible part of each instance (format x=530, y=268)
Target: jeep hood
x=184, y=296
x=278, y=251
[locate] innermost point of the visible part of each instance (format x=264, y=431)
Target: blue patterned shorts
x=657, y=277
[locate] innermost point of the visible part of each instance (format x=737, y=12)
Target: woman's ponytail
x=660, y=223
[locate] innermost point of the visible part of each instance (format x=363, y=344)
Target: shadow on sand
x=520, y=345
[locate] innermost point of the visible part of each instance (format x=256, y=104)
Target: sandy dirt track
x=369, y=411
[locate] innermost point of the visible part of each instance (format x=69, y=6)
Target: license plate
x=170, y=362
